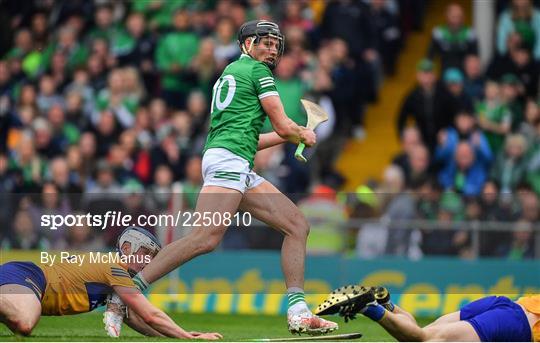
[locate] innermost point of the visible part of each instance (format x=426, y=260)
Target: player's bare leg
x=20, y=309
x=200, y=240
x=446, y=319
x=402, y=328
x=266, y=203
x=400, y=311
x=375, y=303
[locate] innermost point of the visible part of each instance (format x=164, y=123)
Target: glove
x=113, y=323
x=113, y=317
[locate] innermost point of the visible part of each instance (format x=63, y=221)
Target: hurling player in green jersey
x=242, y=98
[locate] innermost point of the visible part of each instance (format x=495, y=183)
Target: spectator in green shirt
x=453, y=40
x=158, y=12
x=512, y=96
x=23, y=44
x=533, y=170
x=493, y=117
x=67, y=43
x=511, y=165
x=106, y=28
x=27, y=162
x=24, y=51
x=520, y=245
x=174, y=54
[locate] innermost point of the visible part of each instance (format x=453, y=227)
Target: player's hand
x=308, y=137
x=211, y=336
x=113, y=316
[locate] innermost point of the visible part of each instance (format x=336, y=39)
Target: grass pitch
x=89, y=327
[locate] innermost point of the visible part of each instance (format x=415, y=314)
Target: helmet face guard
x=257, y=30
x=138, y=238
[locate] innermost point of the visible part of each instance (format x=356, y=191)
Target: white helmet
x=138, y=237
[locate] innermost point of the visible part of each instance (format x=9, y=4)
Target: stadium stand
x=105, y=105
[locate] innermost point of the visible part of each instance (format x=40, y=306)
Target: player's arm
x=137, y=324
x=134, y=321
x=283, y=125
x=154, y=317
x=267, y=140
x=149, y=314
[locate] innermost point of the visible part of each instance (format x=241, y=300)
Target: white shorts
x=220, y=167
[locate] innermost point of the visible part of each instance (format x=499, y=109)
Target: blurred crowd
x=105, y=104
x=473, y=152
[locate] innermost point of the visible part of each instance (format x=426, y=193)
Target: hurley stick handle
x=298, y=154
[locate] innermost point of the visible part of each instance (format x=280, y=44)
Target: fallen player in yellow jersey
x=489, y=319
x=28, y=290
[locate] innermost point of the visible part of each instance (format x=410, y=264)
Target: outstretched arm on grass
x=151, y=320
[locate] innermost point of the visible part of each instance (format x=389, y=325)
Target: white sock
x=298, y=308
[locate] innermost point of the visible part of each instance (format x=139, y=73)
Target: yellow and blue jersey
x=73, y=289
x=67, y=288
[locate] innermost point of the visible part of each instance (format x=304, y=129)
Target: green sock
x=295, y=298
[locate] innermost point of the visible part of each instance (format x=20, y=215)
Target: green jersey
x=237, y=116
x=499, y=114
